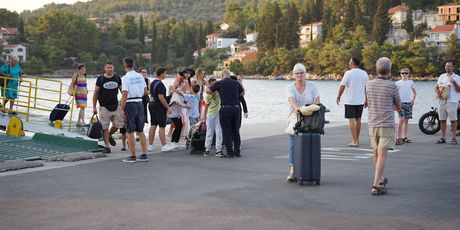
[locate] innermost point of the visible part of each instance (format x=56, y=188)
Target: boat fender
x=15, y=127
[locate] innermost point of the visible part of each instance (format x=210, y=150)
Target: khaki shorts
x=382, y=137
x=448, y=110
x=106, y=116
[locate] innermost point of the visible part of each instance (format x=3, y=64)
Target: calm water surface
x=267, y=100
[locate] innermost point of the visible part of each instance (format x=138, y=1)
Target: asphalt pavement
x=176, y=190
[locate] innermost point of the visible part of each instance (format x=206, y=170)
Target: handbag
x=291, y=121
x=313, y=123
x=95, y=128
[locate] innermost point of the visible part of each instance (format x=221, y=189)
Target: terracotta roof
x=314, y=23
x=10, y=46
x=214, y=35
x=450, y=4
x=443, y=28
x=245, y=52
x=400, y=8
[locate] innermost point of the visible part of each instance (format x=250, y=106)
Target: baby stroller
x=196, y=138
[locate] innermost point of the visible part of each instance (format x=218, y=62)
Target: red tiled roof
x=449, y=4
x=399, y=8
x=10, y=46
x=214, y=35
x=245, y=52
x=443, y=28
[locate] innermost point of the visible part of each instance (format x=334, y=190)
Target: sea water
x=267, y=99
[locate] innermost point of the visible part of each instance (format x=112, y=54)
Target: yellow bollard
x=58, y=124
x=15, y=127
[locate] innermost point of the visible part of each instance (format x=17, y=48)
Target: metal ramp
x=41, y=145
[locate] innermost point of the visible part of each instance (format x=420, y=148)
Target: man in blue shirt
x=229, y=113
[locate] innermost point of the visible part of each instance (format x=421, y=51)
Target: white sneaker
x=167, y=147
x=179, y=145
x=150, y=148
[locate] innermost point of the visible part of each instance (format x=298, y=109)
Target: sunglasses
x=404, y=73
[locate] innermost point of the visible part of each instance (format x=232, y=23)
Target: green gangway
x=42, y=145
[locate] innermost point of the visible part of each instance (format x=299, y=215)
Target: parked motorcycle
x=429, y=122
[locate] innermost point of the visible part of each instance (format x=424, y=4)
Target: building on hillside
x=235, y=47
x=18, y=49
x=251, y=37
x=431, y=18
x=397, y=36
x=199, y=54
x=449, y=12
x=243, y=56
x=310, y=32
x=8, y=33
x=216, y=41
x=398, y=15
x=440, y=34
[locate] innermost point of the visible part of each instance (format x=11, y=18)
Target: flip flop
x=352, y=145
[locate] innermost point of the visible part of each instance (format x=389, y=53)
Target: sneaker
x=150, y=148
x=123, y=149
x=130, y=159
x=167, y=147
x=219, y=153
x=143, y=158
x=106, y=150
x=206, y=153
x=178, y=145
x=112, y=141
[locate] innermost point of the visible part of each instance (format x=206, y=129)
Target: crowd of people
x=192, y=101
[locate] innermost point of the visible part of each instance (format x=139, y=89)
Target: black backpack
x=313, y=123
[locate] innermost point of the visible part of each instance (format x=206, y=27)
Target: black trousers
x=230, y=119
x=177, y=130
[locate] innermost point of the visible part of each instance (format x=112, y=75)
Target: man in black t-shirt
x=106, y=92
x=158, y=108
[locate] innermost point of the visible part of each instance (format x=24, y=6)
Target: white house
x=251, y=37
x=398, y=15
x=431, y=19
x=17, y=49
x=440, y=34
x=215, y=41
x=397, y=36
x=310, y=32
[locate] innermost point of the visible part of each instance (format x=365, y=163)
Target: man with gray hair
x=229, y=113
x=382, y=98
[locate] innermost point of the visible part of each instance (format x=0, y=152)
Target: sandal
x=383, y=184
x=454, y=141
x=406, y=140
x=441, y=141
x=375, y=190
x=399, y=141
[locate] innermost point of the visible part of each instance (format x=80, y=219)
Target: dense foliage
x=61, y=35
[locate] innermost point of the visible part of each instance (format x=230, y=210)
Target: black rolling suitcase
x=307, y=157
x=196, y=138
x=60, y=110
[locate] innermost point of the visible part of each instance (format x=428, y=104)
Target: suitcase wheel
x=317, y=183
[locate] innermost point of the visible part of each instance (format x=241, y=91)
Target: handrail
x=35, y=90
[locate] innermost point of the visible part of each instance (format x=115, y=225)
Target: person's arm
x=124, y=98
x=397, y=99
x=339, y=94
x=293, y=103
x=456, y=85
x=95, y=96
x=414, y=95
x=245, y=106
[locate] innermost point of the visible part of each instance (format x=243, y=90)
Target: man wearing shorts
x=132, y=110
x=158, y=108
x=106, y=92
x=382, y=98
x=354, y=80
x=448, y=108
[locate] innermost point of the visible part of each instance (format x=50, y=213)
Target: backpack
x=313, y=123
x=167, y=98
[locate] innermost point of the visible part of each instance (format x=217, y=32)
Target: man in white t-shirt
x=132, y=109
x=354, y=80
x=407, y=94
x=448, y=108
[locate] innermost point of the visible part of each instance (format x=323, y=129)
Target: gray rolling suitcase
x=307, y=157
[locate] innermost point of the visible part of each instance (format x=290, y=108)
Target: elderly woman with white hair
x=10, y=89
x=300, y=93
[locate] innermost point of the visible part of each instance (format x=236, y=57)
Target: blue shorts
x=135, y=118
x=406, y=110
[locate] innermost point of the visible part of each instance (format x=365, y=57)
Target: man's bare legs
x=355, y=129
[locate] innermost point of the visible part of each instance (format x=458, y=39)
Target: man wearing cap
x=229, y=113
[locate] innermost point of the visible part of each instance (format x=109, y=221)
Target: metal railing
x=35, y=93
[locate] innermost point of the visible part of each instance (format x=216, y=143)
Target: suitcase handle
x=68, y=100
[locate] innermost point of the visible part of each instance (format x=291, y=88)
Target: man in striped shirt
x=382, y=100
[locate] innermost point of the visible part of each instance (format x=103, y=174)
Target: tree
x=35, y=65
x=21, y=31
x=266, y=27
x=408, y=24
x=452, y=47
x=8, y=18
x=381, y=22
x=128, y=26
x=154, y=45
x=141, y=31
x=291, y=27
x=371, y=53
x=237, y=67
